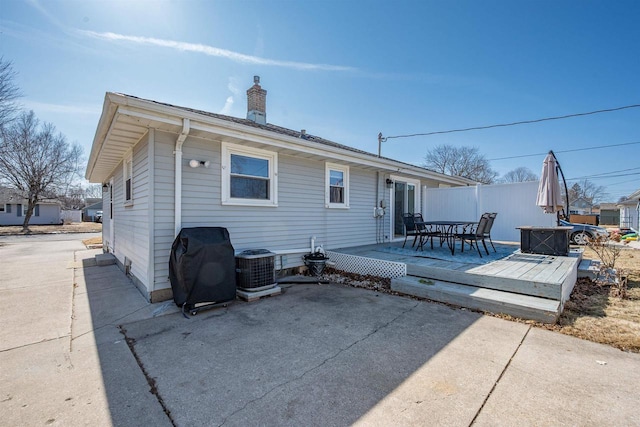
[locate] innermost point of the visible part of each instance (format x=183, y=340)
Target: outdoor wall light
x=197, y=163
x=105, y=187
x=389, y=183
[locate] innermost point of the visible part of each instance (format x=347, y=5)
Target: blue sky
x=346, y=70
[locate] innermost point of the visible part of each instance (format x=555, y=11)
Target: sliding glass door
x=406, y=199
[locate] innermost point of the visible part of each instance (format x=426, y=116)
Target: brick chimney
x=257, y=102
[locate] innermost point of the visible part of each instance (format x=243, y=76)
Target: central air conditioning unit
x=255, y=270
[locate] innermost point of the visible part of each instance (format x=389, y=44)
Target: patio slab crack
x=484, y=402
x=153, y=389
x=318, y=366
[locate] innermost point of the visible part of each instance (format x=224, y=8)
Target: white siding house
x=90, y=212
x=167, y=167
x=13, y=208
x=630, y=211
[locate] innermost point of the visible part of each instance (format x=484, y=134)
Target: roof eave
x=109, y=109
x=118, y=104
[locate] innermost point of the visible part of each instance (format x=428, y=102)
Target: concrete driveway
x=315, y=355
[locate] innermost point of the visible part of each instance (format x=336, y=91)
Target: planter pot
x=315, y=263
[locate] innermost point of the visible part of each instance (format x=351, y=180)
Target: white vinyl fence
x=71, y=216
x=515, y=204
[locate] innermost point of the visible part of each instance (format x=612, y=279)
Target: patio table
x=445, y=230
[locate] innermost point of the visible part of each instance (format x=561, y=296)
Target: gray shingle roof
x=272, y=128
x=9, y=194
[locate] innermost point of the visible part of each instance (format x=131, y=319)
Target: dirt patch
x=596, y=312
x=358, y=280
x=74, y=227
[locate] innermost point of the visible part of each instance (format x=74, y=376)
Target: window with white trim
x=127, y=179
x=3, y=208
x=336, y=186
x=249, y=176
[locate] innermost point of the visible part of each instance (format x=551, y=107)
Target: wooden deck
x=523, y=285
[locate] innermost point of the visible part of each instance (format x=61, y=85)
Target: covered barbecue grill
x=202, y=268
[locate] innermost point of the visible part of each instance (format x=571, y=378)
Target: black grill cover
x=202, y=266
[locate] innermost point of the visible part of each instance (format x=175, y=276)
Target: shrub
x=609, y=254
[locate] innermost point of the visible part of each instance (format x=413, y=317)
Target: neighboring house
x=89, y=213
x=580, y=206
x=630, y=211
x=13, y=207
x=167, y=167
x=92, y=201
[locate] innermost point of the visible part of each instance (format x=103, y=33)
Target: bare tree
x=588, y=191
x=9, y=92
x=592, y=192
x=72, y=197
x=520, y=174
x=575, y=192
x=466, y=162
x=35, y=161
x=93, y=191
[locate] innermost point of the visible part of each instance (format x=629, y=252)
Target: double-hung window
x=127, y=177
x=336, y=186
x=249, y=176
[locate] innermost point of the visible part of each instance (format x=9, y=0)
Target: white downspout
x=177, y=203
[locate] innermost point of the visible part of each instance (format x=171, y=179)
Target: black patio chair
x=408, y=219
x=474, y=235
x=487, y=231
x=424, y=233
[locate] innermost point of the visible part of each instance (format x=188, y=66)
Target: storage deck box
x=544, y=240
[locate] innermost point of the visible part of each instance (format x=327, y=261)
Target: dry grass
x=595, y=313
x=93, y=241
x=74, y=227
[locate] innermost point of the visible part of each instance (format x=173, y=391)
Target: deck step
x=589, y=268
x=490, y=300
x=105, y=259
x=533, y=275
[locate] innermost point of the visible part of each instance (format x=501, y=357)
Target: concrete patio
x=315, y=355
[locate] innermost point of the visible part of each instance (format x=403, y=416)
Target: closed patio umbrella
x=549, y=195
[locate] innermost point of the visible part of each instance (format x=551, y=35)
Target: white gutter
x=177, y=203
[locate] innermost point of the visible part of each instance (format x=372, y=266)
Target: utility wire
x=624, y=182
x=514, y=123
x=567, y=151
x=603, y=177
x=604, y=174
